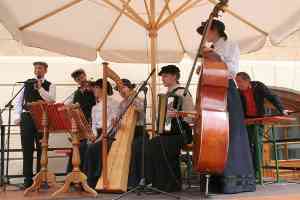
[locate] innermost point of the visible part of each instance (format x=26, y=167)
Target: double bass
x=211, y=123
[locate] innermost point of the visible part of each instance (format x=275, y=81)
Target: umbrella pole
x=104, y=130
x=153, y=57
x=153, y=53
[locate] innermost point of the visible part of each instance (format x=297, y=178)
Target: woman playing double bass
x=238, y=175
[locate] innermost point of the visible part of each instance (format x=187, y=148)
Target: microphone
x=30, y=81
x=144, y=89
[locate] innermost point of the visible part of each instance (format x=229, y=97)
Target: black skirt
x=238, y=175
x=138, y=168
x=164, y=152
x=164, y=157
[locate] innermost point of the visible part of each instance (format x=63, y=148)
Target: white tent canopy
x=80, y=28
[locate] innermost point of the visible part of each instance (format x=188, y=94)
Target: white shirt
x=47, y=96
x=139, y=106
x=97, y=110
x=187, y=102
x=230, y=54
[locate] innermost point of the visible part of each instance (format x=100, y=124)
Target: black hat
x=99, y=83
x=169, y=69
x=215, y=24
x=127, y=83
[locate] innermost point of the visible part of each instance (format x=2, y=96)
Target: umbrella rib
x=176, y=30
x=132, y=11
x=50, y=14
x=112, y=27
x=179, y=11
x=163, y=11
x=152, y=11
x=241, y=19
x=134, y=19
x=147, y=10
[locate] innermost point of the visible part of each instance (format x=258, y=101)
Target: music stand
x=38, y=111
x=79, y=129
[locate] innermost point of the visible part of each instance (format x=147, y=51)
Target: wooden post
x=104, y=128
x=153, y=57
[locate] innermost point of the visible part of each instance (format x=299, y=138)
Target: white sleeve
x=48, y=96
x=139, y=104
x=221, y=53
x=19, y=104
x=230, y=54
x=233, y=60
x=116, y=108
x=187, y=104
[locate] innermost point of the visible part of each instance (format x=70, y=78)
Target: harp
x=116, y=162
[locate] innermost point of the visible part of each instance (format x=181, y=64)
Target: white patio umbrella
x=142, y=31
x=122, y=30
x=10, y=47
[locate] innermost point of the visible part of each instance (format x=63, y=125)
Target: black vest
x=31, y=94
x=86, y=100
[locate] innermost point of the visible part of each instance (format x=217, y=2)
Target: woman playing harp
x=135, y=170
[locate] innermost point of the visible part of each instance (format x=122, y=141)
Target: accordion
x=167, y=102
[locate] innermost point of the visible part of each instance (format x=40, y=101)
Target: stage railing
x=4, y=152
x=273, y=139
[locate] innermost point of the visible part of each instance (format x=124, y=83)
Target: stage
x=283, y=191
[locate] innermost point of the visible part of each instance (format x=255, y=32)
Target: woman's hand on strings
x=115, y=123
x=93, y=138
x=98, y=139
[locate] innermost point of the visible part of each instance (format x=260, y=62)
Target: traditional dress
x=164, y=150
x=238, y=175
x=93, y=155
x=29, y=134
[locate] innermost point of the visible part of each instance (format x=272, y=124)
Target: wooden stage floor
x=284, y=191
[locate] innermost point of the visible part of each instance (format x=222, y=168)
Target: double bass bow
x=211, y=123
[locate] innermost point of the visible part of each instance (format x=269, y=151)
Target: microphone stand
x=2, y=150
x=8, y=106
